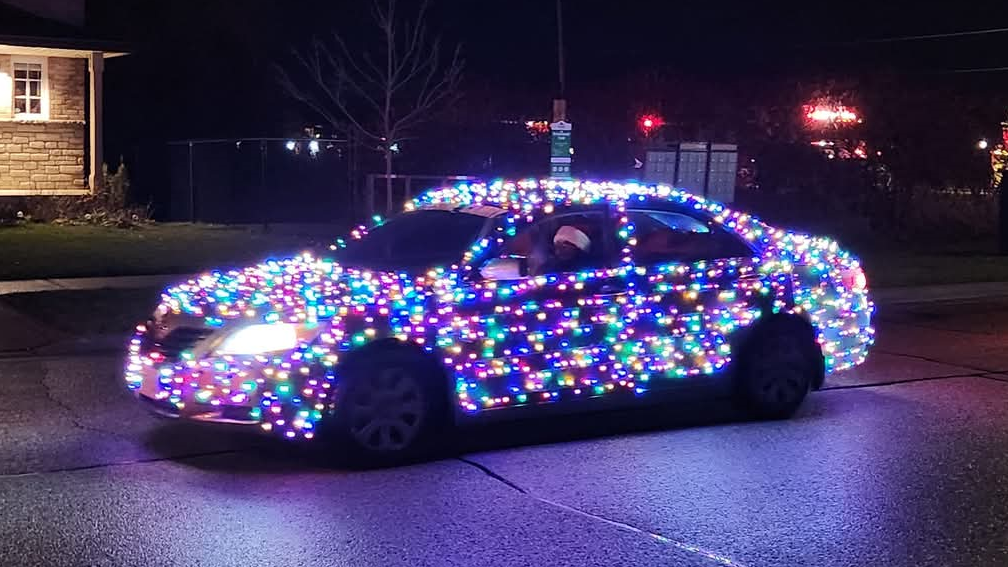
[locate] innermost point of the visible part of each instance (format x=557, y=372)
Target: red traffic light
x=649, y=123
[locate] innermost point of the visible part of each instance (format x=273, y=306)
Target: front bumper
x=233, y=415
x=172, y=390
x=282, y=393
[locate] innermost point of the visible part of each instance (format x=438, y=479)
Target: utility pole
x=560, y=129
x=560, y=49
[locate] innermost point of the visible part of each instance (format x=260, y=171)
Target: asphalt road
x=900, y=462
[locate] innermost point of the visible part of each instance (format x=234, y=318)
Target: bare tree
x=382, y=94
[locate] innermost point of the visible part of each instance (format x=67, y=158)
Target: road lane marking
x=28, y=355
x=903, y=381
x=694, y=549
x=936, y=361
x=183, y=457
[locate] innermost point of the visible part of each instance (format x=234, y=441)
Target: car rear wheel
x=390, y=407
x=777, y=368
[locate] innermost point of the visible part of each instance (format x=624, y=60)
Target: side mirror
x=504, y=269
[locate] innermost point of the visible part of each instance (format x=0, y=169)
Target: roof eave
x=74, y=47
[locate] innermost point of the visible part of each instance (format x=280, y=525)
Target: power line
x=988, y=31
x=981, y=70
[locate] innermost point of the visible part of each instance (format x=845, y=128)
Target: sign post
x=560, y=150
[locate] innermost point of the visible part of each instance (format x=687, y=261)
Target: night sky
x=203, y=68
x=208, y=56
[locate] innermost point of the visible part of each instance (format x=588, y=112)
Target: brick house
x=50, y=99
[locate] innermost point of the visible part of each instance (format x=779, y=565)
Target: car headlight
x=261, y=339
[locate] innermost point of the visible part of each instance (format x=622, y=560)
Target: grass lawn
x=892, y=264
x=48, y=251
x=908, y=269
x=87, y=313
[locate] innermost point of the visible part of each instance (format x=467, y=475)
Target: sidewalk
x=884, y=296
x=120, y=282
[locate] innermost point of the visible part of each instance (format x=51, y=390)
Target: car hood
x=298, y=289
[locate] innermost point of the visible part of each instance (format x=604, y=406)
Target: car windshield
x=415, y=241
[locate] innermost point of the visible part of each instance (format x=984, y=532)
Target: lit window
x=29, y=89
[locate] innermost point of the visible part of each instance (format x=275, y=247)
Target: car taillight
x=855, y=279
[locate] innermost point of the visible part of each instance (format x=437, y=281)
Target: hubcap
x=781, y=371
x=386, y=409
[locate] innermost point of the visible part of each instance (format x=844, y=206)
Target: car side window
x=668, y=236
x=562, y=242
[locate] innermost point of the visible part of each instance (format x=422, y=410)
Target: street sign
x=560, y=150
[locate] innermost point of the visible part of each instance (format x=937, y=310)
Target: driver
x=570, y=249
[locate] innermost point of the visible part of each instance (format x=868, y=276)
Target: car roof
x=486, y=211
x=532, y=195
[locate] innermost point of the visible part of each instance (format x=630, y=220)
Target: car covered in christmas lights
x=501, y=300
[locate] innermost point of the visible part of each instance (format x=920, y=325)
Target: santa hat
x=572, y=236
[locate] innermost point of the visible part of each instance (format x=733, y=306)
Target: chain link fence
x=262, y=180
x=277, y=180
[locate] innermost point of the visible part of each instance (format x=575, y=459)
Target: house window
x=30, y=89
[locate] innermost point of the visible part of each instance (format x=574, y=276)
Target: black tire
x=391, y=407
x=778, y=365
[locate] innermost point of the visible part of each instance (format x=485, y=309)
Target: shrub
x=107, y=206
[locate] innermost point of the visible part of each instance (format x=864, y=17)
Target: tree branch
x=415, y=36
x=429, y=95
x=396, y=92
x=346, y=56
x=342, y=75
x=288, y=85
x=313, y=65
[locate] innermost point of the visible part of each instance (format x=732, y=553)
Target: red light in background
x=650, y=122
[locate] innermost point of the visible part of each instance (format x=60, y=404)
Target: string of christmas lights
x=541, y=339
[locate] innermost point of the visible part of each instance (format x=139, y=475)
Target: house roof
x=24, y=29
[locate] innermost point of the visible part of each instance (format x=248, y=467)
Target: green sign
x=560, y=150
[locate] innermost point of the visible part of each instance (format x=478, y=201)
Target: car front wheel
x=777, y=368
x=390, y=408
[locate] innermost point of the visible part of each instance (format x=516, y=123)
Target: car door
x=697, y=284
x=538, y=336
